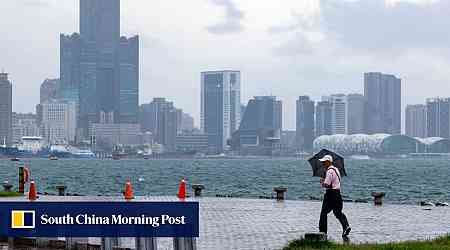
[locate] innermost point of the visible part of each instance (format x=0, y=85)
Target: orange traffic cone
x=128, y=191
x=182, y=189
x=32, y=195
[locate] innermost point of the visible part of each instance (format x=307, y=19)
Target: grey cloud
x=233, y=18
x=372, y=25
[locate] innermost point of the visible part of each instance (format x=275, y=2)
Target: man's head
x=327, y=161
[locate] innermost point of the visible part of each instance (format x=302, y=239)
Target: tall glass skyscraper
x=383, y=96
x=5, y=109
x=220, y=107
x=305, y=123
x=100, y=69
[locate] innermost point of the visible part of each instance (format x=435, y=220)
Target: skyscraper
x=323, y=118
x=416, y=120
x=356, y=104
x=438, y=117
x=49, y=90
x=160, y=117
x=100, y=69
x=305, y=123
x=220, y=107
x=5, y=109
x=383, y=96
x=260, y=130
x=338, y=113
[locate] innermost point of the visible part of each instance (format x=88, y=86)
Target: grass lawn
x=10, y=194
x=437, y=244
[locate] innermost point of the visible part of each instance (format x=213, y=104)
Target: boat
x=53, y=158
x=15, y=159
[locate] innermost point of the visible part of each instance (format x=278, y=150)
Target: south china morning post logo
x=22, y=219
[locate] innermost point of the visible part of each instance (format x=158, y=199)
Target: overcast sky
x=285, y=48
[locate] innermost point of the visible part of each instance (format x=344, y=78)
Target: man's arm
x=327, y=182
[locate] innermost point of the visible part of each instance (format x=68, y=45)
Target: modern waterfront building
x=338, y=113
x=323, y=118
x=57, y=121
x=24, y=125
x=187, y=123
x=383, y=96
x=220, y=107
x=49, y=90
x=416, y=120
x=305, y=124
x=381, y=144
x=192, y=143
x=161, y=118
x=438, y=117
x=356, y=104
x=260, y=130
x=106, y=136
x=99, y=69
x=5, y=110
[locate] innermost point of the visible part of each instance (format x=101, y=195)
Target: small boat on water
x=15, y=159
x=53, y=158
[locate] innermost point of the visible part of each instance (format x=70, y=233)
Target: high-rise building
x=49, y=90
x=5, y=109
x=416, y=120
x=160, y=117
x=220, y=107
x=57, y=121
x=383, y=96
x=305, y=124
x=338, y=113
x=323, y=118
x=438, y=117
x=100, y=69
x=187, y=123
x=24, y=125
x=356, y=105
x=260, y=130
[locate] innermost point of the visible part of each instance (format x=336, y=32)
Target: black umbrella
x=317, y=166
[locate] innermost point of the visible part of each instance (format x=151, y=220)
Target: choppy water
x=404, y=180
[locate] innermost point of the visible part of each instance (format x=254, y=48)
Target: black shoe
x=346, y=232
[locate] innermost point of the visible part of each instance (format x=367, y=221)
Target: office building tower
x=57, y=121
x=383, y=96
x=416, y=120
x=161, y=118
x=260, y=130
x=24, y=125
x=220, y=107
x=49, y=90
x=438, y=117
x=187, y=123
x=5, y=110
x=338, y=113
x=99, y=69
x=305, y=124
x=323, y=118
x=356, y=104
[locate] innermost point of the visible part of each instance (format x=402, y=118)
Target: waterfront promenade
x=230, y=223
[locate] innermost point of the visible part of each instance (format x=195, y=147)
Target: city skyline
x=288, y=77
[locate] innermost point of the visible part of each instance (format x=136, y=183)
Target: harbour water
x=405, y=181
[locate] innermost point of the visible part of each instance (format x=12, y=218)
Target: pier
x=233, y=223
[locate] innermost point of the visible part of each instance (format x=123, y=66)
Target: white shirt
x=333, y=178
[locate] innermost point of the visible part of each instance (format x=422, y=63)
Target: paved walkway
x=229, y=223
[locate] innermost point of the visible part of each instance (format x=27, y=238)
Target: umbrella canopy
x=317, y=166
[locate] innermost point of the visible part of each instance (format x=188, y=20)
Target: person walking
x=332, y=200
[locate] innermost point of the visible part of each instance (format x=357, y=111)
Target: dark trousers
x=332, y=201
